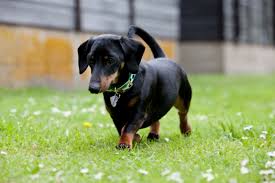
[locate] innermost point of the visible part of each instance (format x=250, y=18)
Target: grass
x=42, y=137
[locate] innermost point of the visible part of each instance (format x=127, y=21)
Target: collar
x=123, y=88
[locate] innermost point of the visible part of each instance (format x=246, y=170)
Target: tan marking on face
x=106, y=81
x=122, y=65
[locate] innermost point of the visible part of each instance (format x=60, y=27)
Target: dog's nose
x=94, y=87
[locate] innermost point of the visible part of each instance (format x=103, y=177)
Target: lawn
x=43, y=139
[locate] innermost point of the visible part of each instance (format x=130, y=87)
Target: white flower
x=244, y=138
x=263, y=136
x=58, y=175
x=3, y=153
x=244, y=170
x=208, y=175
x=175, y=177
x=87, y=110
x=244, y=162
x=13, y=110
x=100, y=125
x=202, y=117
x=239, y=113
x=264, y=132
x=98, y=176
x=272, y=115
x=102, y=110
x=67, y=113
x=67, y=132
x=232, y=180
x=55, y=110
x=271, y=154
x=110, y=177
x=31, y=100
x=165, y=172
x=25, y=114
x=166, y=139
x=84, y=110
x=41, y=165
x=247, y=128
x=270, y=164
x=143, y=172
x=109, y=125
x=36, y=113
x=266, y=172
x=84, y=170
x=35, y=176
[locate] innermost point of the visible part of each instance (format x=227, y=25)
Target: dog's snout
x=94, y=87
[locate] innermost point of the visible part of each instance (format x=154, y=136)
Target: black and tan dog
x=136, y=94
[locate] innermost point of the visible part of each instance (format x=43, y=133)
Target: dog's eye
x=91, y=59
x=108, y=60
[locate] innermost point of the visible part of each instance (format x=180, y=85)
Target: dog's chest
x=120, y=107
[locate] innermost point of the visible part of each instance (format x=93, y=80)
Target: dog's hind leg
x=185, y=128
x=182, y=104
x=154, y=131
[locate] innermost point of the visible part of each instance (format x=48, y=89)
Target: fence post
x=131, y=12
x=220, y=21
x=273, y=17
x=236, y=21
x=77, y=15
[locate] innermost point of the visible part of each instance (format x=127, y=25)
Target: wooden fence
x=159, y=17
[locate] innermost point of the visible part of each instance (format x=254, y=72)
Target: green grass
x=38, y=145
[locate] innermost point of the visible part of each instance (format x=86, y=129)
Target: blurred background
x=39, y=38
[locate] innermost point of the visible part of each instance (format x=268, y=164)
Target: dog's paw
x=137, y=138
x=153, y=137
x=187, y=133
x=123, y=146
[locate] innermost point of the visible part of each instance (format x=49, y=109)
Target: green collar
x=126, y=86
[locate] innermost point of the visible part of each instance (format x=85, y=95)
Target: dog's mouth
x=99, y=87
x=104, y=83
x=95, y=87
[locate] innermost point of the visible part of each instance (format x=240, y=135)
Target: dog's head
x=106, y=55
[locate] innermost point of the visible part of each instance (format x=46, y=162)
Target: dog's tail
x=151, y=42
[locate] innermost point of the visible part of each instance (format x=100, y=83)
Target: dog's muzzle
x=94, y=87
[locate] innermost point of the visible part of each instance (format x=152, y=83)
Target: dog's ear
x=133, y=51
x=83, y=51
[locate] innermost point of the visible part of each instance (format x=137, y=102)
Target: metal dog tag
x=114, y=99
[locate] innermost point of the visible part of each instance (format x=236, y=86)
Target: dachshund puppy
x=136, y=94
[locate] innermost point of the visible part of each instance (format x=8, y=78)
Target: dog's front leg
x=128, y=133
